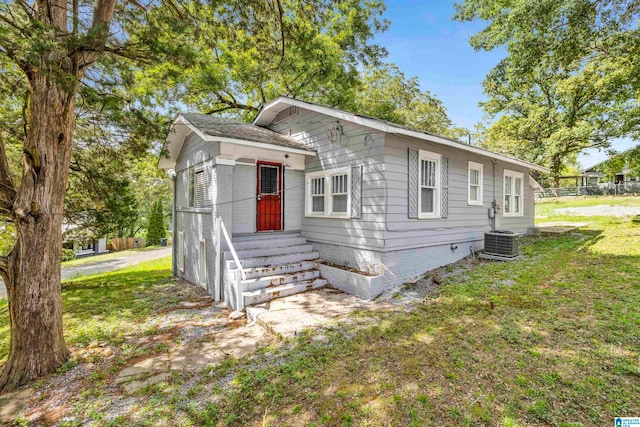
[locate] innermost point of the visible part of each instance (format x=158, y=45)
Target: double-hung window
x=339, y=193
x=513, y=193
x=196, y=187
x=328, y=193
x=192, y=185
x=429, y=183
x=475, y=183
x=317, y=196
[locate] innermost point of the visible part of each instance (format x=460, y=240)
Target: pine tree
x=155, y=229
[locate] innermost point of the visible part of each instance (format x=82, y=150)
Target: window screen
x=192, y=177
x=317, y=195
x=339, y=193
x=518, y=196
x=268, y=180
x=428, y=170
x=198, y=188
x=475, y=184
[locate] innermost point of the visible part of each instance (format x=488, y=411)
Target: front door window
x=269, y=197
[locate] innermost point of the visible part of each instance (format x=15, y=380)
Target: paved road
x=106, y=265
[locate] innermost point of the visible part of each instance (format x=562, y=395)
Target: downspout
x=494, y=203
x=174, y=239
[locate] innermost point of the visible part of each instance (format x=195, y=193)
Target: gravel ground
x=600, y=210
x=415, y=291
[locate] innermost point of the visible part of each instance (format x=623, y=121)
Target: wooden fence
x=125, y=243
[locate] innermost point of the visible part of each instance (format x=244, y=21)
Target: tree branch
x=7, y=188
x=230, y=104
x=175, y=8
x=98, y=32
x=219, y=110
x=4, y=266
x=138, y=5
x=6, y=207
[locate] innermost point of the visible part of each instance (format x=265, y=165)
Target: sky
x=424, y=41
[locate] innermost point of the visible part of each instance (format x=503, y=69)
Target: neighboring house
x=306, y=182
x=83, y=245
x=594, y=176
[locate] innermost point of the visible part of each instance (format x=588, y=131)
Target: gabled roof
x=271, y=109
x=219, y=129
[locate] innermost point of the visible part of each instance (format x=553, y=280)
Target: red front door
x=269, y=197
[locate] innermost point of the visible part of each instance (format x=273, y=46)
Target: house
x=82, y=242
x=612, y=176
x=306, y=182
x=594, y=175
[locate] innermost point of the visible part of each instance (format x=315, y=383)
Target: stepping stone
x=12, y=403
x=196, y=356
x=153, y=364
x=240, y=341
x=134, y=386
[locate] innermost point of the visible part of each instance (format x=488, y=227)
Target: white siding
x=196, y=223
x=244, y=199
x=311, y=129
x=465, y=223
x=293, y=199
x=385, y=234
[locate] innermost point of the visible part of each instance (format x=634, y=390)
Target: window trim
x=480, y=168
x=437, y=158
x=328, y=199
x=200, y=198
x=192, y=171
x=181, y=250
x=513, y=175
x=202, y=263
x=191, y=189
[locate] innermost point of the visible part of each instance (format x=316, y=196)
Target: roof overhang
x=269, y=111
x=535, y=184
x=181, y=128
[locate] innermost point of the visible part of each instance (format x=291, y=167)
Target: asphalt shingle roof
x=236, y=129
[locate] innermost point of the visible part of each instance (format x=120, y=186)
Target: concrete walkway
x=106, y=265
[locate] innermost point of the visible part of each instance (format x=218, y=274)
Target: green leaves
x=570, y=79
x=386, y=93
x=155, y=227
x=233, y=57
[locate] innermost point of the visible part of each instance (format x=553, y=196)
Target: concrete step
x=278, y=280
x=264, y=236
x=268, y=243
x=270, y=251
x=273, y=260
x=267, y=294
x=294, y=267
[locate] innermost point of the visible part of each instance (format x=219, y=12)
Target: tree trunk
x=33, y=267
x=555, y=171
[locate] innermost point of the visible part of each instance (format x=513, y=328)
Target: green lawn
x=106, y=257
x=548, y=340
x=105, y=307
x=551, y=339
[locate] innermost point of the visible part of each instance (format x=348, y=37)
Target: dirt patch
x=184, y=335
x=425, y=286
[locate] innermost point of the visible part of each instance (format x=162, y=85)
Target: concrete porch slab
x=556, y=231
x=561, y=224
x=291, y=315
